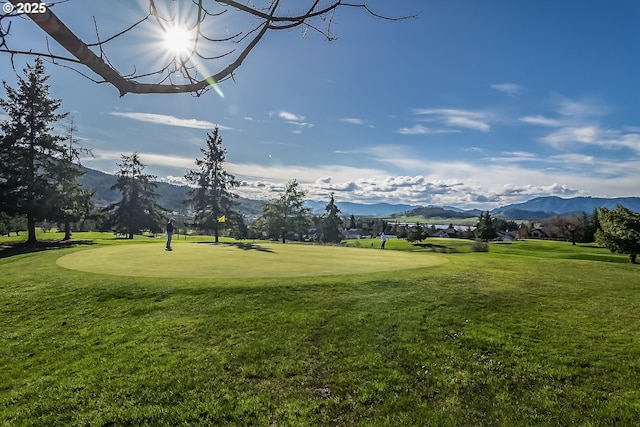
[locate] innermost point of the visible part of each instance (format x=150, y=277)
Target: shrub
x=480, y=246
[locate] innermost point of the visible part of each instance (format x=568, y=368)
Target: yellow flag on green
x=223, y=218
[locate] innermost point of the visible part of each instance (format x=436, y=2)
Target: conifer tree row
x=37, y=170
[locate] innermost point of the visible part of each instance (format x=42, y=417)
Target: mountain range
x=171, y=196
x=552, y=205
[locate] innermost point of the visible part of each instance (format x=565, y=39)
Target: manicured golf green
x=237, y=260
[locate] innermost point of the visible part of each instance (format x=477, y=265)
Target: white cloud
x=399, y=156
x=511, y=89
x=176, y=180
x=593, y=135
x=168, y=160
x=578, y=124
x=510, y=177
x=466, y=122
x=294, y=119
x=163, y=119
x=290, y=116
x=570, y=113
x=514, y=157
x=353, y=121
x=101, y=155
x=544, y=121
x=462, y=184
x=472, y=149
x=573, y=158
x=456, y=118
x=147, y=159
x=580, y=110
x=423, y=130
x=415, y=130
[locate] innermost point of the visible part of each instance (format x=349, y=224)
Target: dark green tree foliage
x=285, y=215
x=29, y=153
x=331, y=223
x=485, y=229
x=236, y=225
x=417, y=233
x=12, y=224
x=352, y=222
x=620, y=231
x=593, y=225
x=504, y=225
x=269, y=224
x=72, y=201
x=137, y=210
x=211, y=196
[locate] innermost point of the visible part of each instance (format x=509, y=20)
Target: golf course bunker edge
x=241, y=260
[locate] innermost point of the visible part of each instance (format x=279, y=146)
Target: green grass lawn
x=240, y=259
x=530, y=333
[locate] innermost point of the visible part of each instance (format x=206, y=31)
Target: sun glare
x=178, y=41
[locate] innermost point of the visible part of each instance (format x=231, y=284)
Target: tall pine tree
x=29, y=152
x=211, y=197
x=331, y=223
x=72, y=201
x=286, y=214
x=137, y=210
x=486, y=229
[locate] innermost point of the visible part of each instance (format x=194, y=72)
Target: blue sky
x=474, y=104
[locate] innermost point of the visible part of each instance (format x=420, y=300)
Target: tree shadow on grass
x=248, y=246
x=9, y=249
x=436, y=248
x=245, y=246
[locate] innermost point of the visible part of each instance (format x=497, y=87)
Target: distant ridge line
x=171, y=196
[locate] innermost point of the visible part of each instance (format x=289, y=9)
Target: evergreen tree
x=286, y=214
x=417, y=233
x=485, y=229
x=72, y=201
x=620, y=231
x=29, y=152
x=352, y=222
x=137, y=210
x=211, y=196
x=237, y=228
x=593, y=225
x=11, y=224
x=331, y=223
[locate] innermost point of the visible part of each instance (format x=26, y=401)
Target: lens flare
x=179, y=41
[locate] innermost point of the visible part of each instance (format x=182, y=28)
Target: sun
x=178, y=40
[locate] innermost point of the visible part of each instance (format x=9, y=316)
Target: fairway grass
x=528, y=334
x=241, y=260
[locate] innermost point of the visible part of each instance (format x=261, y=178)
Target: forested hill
x=437, y=212
x=170, y=196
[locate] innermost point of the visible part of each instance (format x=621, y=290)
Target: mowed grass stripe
x=241, y=260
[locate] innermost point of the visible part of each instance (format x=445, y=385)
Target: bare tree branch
x=185, y=66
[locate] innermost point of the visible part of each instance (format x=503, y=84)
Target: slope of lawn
x=515, y=336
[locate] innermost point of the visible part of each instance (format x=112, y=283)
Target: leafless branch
x=182, y=67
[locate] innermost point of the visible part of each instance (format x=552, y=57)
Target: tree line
x=616, y=229
x=39, y=180
x=38, y=176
